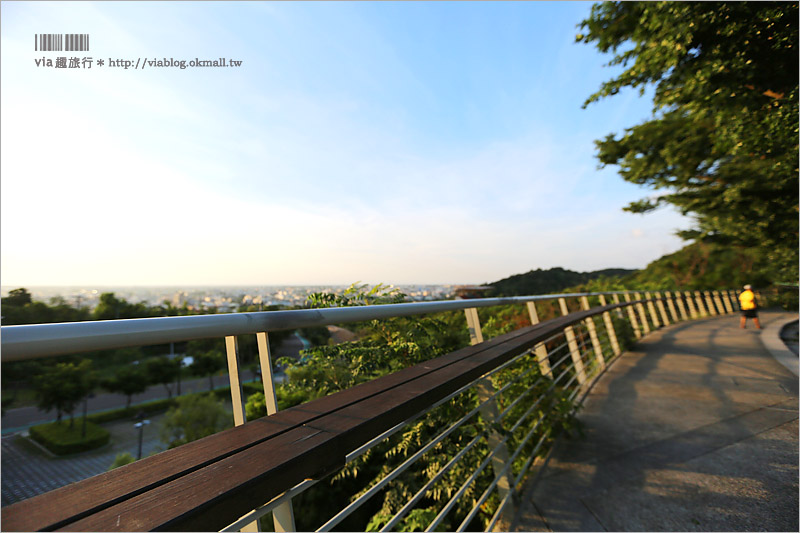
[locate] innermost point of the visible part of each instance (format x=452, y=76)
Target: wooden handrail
x=209, y=483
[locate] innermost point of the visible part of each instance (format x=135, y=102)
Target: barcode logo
x=57, y=42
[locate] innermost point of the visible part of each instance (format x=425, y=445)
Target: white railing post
x=474, y=325
x=540, y=350
x=490, y=413
x=590, y=325
x=726, y=304
x=239, y=417
x=730, y=301
x=681, y=307
x=652, y=309
x=689, y=302
x=734, y=300
x=615, y=299
x=661, y=310
x=723, y=309
x=283, y=514
x=642, y=314
x=637, y=331
x=671, y=306
x=573, y=344
x=701, y=307
x=612, y=335
x=710, y=304
x=232, y=349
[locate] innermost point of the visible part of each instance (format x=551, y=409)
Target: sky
x=401, y=143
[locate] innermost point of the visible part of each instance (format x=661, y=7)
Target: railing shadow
x=654, y=426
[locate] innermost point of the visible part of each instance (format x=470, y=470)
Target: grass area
x=61, y=439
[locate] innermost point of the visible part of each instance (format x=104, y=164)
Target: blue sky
x=383, y=142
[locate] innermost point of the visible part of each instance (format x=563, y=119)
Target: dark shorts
x=750, y=313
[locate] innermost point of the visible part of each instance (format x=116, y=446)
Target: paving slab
x=695, y=429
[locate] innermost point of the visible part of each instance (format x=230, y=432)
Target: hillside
x=549, y=281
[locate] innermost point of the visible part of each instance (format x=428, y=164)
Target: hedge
x=156, y=406
x=130, y=412
x=60, y=439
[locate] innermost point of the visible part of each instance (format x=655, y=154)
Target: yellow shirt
x=747, y=300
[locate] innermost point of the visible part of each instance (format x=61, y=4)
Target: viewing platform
x=693, y=428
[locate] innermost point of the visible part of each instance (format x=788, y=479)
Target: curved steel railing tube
x=32, y=341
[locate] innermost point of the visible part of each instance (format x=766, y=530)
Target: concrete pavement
x=696, y=429
x=29, y=470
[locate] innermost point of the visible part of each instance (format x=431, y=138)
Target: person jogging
x=747, y=302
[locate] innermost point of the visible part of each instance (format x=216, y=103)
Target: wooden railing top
x=209, y=483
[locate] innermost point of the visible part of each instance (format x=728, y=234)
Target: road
x=21, y=418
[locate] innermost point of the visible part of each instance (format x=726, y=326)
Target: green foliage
x=255, y=407
x=17, y=298
x=317, y=336
x=20, y=308
x=549, y=281
x=723, y=140
x=63, y=386
x=157, y=406
x=128, y=380
x=63, y=439
x=390, y=345
x=162, y=370
x=154, y=406
x=110, y=307
x=207, y=364
x=122, y=459
x=194, y=417
x=357, y=294
x=696, y=266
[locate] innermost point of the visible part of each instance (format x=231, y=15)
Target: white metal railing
x=586, y=348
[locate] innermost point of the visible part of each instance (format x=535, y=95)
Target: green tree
x=63, y=386
x=128, y=380
x=207, y=364
x=110, y=307
x=17, y=298
x=162, y=370
x=723, y=140
x=196, y=416
x=20, y=308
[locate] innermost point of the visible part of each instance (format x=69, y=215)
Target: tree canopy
x=63, y=386
x=723, y=139
x=128, y=381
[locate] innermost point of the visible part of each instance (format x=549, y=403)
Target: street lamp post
x=140, y=424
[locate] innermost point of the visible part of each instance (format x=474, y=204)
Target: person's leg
x=756, y=322
x=742, y=322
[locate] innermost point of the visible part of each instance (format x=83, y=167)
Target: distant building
x=465, y=292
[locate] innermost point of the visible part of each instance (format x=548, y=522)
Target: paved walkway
x=28, y=470
x=694, y=430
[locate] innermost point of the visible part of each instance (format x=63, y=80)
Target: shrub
x=130, y=412
x=194, y=417
x=122, y=459
x=61, y=439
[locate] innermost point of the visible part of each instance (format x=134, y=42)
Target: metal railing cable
x=354, y=454
x=435, y=440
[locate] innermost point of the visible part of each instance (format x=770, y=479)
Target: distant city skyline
x=220, y=298
x=388, y=142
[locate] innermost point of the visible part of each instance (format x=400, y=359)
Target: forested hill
x=549, y=281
